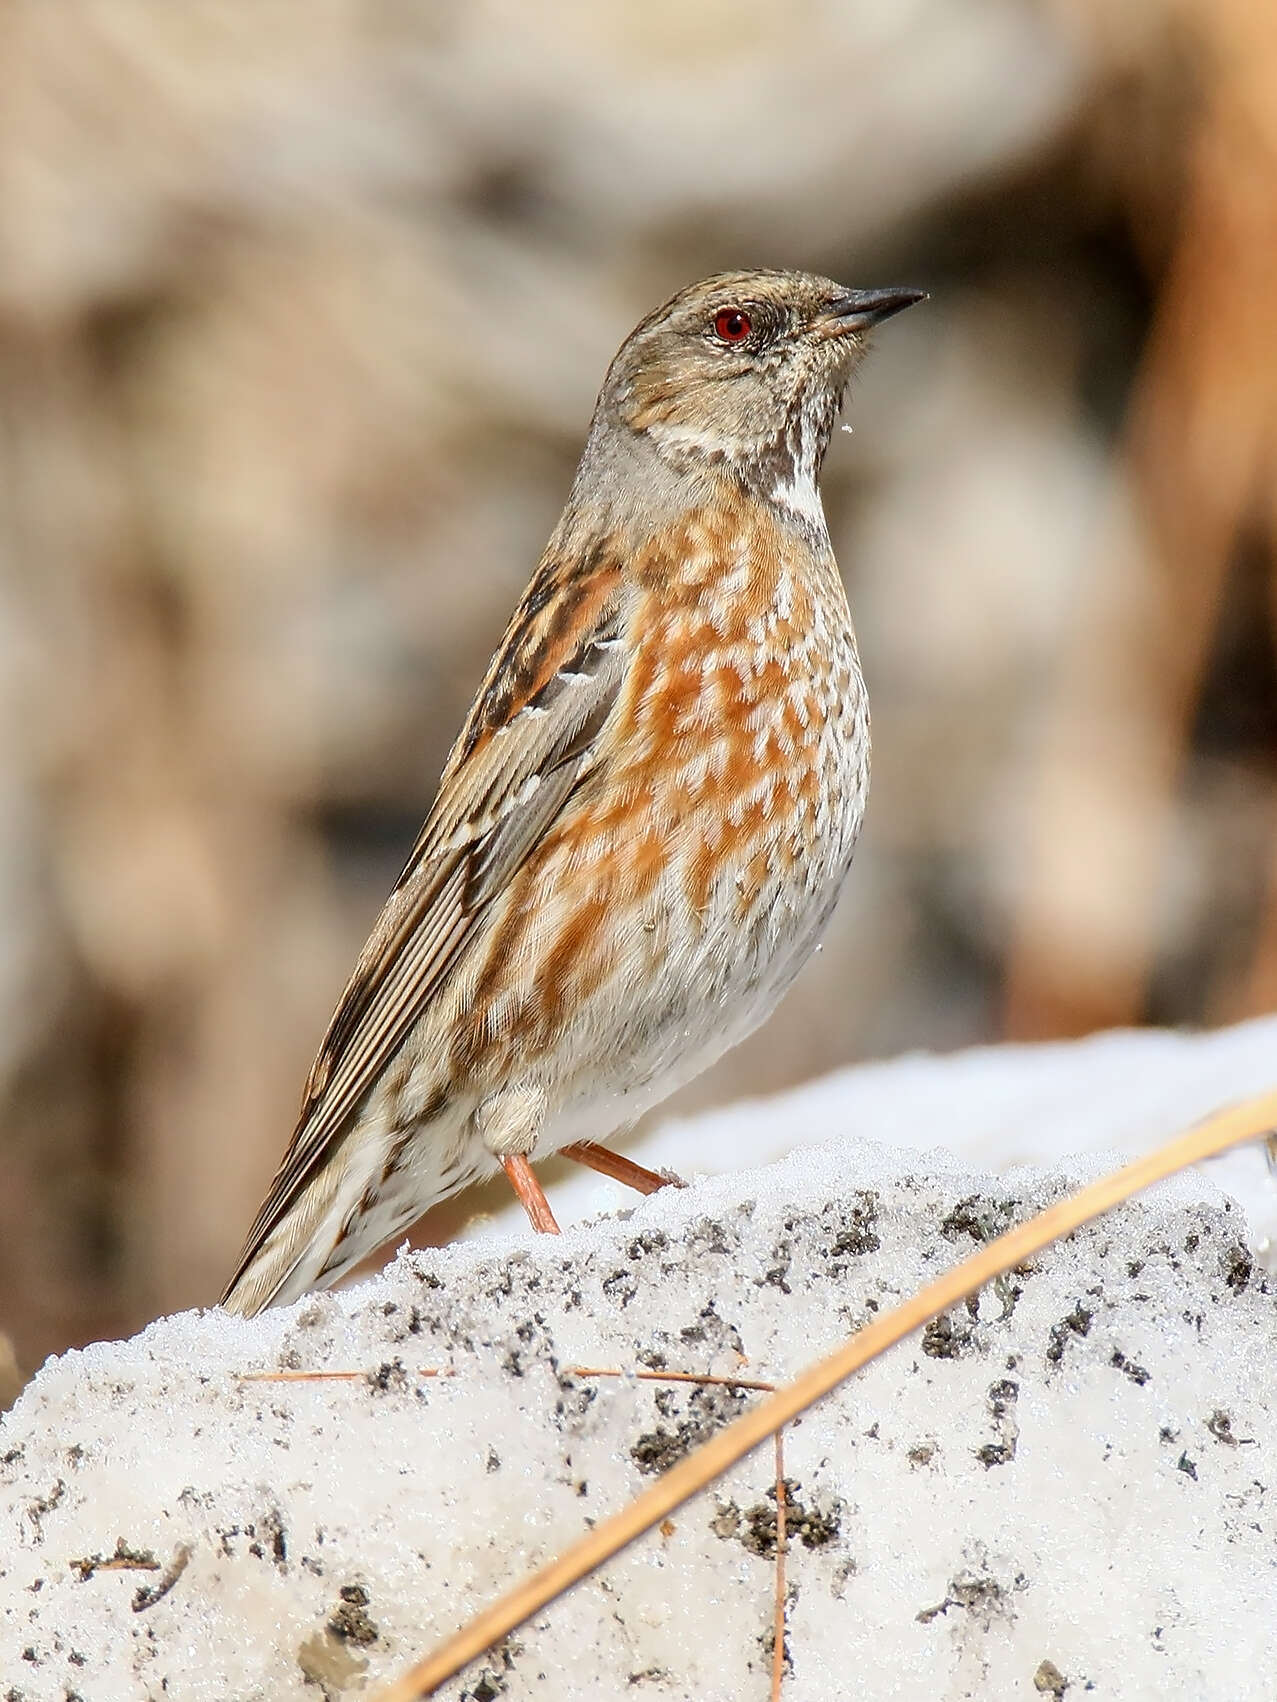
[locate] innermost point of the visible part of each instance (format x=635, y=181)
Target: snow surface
x=1065, y=1489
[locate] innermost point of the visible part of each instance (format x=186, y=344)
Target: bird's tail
x=310, y=1245
x=313, y=1228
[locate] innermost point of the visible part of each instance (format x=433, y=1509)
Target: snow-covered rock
x=1063, y=1488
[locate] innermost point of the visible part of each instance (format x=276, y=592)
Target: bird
x=647, y=817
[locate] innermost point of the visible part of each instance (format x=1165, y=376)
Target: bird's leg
x=620, y=1169
x=531, y=1194
x=508, y=1122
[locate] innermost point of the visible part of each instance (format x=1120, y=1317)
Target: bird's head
x=746, y=371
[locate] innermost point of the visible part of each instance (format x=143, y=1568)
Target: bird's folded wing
x=530, y=738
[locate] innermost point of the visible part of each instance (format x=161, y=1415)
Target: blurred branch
x=1197, y=445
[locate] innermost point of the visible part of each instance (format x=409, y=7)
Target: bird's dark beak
x=859, y=309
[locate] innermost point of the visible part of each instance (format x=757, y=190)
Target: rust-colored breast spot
x=802, y=610
x=743, y=771
x=647, y=859
x=771, y=680
x=809, y=784
x=750, y=882
x=698, y=880
x=574, y=964
x=505, y=945
x=674, y=708
x=797, y=719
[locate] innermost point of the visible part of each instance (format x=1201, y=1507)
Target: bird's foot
x=621, y=1169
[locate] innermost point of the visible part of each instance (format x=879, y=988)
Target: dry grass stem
x=349, y=1376
x=300, y=1376
x=1249, y=1121
x=672, y=1377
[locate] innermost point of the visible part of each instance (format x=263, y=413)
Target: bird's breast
x=743, y=726
x=691, y=872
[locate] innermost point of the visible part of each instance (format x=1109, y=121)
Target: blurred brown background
x=302, y=313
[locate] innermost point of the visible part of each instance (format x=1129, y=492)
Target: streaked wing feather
x=504, y=785
x=335, y=1083
x=503, y=850
x=412, y=975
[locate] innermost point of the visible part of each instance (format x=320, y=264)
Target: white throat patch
x=797, y=493
x=800, y=496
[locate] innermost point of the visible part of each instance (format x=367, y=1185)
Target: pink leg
x=624, y=1170
x=531, y=1194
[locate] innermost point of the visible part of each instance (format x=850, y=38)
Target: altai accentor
x=647, y=817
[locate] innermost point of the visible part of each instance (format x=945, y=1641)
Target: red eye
x=731, y=325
